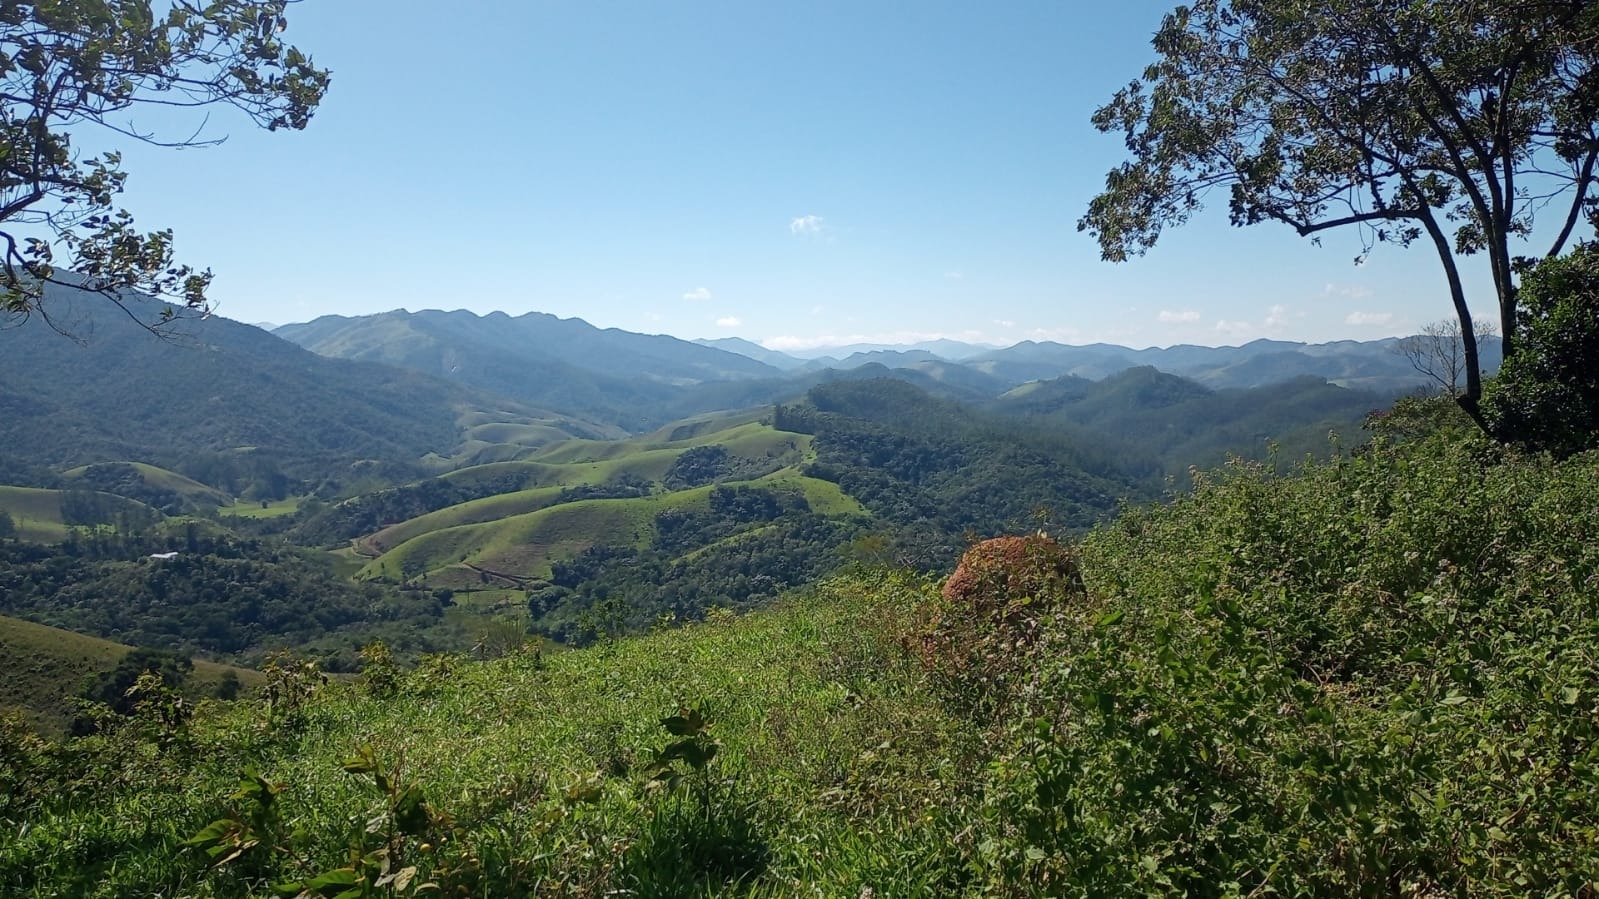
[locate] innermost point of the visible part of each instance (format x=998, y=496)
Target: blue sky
x=798, y=174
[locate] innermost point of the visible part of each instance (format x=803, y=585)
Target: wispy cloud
x=1178, y=316
x=1369, y=318
x=954, y=276
x=1347, y=291
x=1276, y=317
x=891, y=338
x=805, y=224
x=698, y=294
x=728, y=321
x=1233, y=328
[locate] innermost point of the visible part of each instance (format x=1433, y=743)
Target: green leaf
x=212, y=832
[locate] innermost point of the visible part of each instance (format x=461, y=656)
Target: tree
x=1452, y=123
x=1439, y=352
x=66, y=65
x=1547, y=397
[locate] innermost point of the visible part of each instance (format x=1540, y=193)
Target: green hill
x=45, y=516
x=158, y=487
x=522, y=546
x=46, y=668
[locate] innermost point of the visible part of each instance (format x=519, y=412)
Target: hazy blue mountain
x=1371, y=365
x=943, y=348
x=448, y=339
x=753, y=350
x=114, y=391
x=611, y=375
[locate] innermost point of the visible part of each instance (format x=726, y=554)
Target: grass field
x=165, y=479
x=45, y=667
x=37, y=512
x=273, y=509
x=524, y=545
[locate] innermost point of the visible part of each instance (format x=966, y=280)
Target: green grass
x=165, y=479
x=37, y=512
x=525, y=544
x=273, y=508
x=831, y=770
x=46, y=668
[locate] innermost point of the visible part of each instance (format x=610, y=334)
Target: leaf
x=1110, y=619
x=411, y=812
x=335, y=877
x=212, y=832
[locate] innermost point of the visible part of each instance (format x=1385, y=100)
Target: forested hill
x=113, y=391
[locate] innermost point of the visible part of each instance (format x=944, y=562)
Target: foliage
x=976, y=637
x=1407, y=120
x=68, y=66
x=939, y=472
x=114, y=689
x=1547, y=397
x=1364, y=679
x=226, y=597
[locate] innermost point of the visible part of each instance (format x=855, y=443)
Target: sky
x=796, y=174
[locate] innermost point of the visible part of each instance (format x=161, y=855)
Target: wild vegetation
x=1369, y=676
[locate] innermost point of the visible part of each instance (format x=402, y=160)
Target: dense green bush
x=1374, y=678
x=1547, y=395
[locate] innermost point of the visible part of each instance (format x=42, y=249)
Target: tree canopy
x=1453, y=123
x=69, y=64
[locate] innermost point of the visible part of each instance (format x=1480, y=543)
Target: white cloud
x=1184, y=315
x=1004, y=323
x=698, y=294
x=805, y=224
x=1369, y=318
x=1347, y=291
x=1276, y=317
x=818, y=309
x=1232, y=328
x=954, y=276
x=728, y=321
x=788, y=342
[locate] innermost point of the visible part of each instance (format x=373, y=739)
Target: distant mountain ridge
x=219, y=387
x=617, y=370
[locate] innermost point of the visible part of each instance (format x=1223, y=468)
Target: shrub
x=974, y=637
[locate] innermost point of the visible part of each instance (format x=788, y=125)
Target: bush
x=974, y=637
x=1546, y=396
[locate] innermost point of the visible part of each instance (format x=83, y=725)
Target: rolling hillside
x=46, y=668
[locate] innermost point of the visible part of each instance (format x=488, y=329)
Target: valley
x=421, y=479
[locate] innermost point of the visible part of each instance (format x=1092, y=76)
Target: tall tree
x=1452, y=122
x=70, y=67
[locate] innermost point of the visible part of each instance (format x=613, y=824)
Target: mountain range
x=639, y=381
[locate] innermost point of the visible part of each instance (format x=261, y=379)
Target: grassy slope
x=37, y=511
x=525, y=544
x=165, y=479
x=844, y=757
x=507, y=533
x=47, y=666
